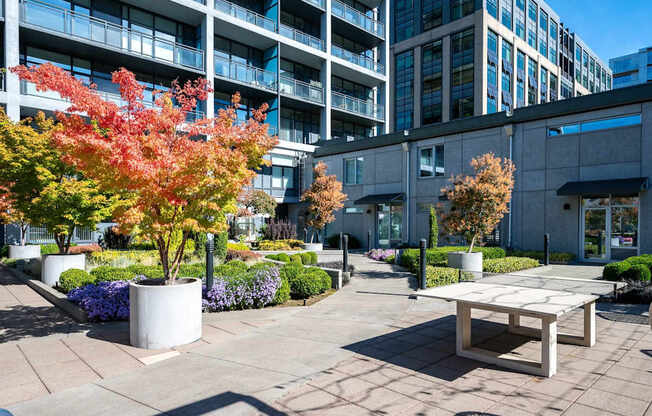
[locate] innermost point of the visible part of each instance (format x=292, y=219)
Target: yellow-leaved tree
x=480, y=201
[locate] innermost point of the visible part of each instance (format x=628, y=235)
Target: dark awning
x=630, y=186
x=380, y=199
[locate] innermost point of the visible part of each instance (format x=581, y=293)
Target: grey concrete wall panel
x=556, y=178
x=533, y=180
x=562, y=151
x=610, y=171
x=611, y=146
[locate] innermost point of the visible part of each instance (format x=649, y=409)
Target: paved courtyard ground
x=368, y=349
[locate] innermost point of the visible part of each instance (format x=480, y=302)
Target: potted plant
x=175, y=176
x=324, y=197
x=477, y=204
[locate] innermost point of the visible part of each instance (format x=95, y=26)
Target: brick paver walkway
x=368, y=349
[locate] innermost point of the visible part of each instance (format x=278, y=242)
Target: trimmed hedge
x=638, y=272
x=555, y=257
x=149, y=272
x=305, y=282
x=111, y=274
x=438, y=257
x=614, y=271
x=296, y=258
x=442, y=276
x=305, y=258
x=73, y=279
x=508, y=264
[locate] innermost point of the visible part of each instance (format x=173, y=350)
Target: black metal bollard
x=209, y=264
x=345, y=253
x=340, y=247
x=546, y=249
x=422, y=263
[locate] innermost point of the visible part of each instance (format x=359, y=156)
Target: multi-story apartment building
x=459, y=58
x=632, y=69
x=321, y=65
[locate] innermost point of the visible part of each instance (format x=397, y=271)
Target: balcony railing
x=357, y=18
x=97, y=30
x=301, y=89
x=245, y=15
x=318, y=3
x=28, y=88
x=306, y=39
x=357, y=59
x=246, y=74
x=357, y=106
x=2, y=81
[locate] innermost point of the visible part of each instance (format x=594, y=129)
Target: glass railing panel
x=301, y=89
x=318, y=3
x=357, y=18
x=98, y=30
x=357, y=59
x=306, y=39
x=355, y=105
x=245, y=15
x=245, y=73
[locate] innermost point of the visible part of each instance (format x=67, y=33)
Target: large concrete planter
x=313, y=246
x=54, y=264
x=471, y=262
x=24, y=252
x=164, y=316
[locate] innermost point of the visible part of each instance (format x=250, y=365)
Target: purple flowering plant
x=104, y=301
x=253, y=289
x=380, y=254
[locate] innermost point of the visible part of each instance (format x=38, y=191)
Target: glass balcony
x=357, y=18
x=306, y=39
x=357, y=59
x=65, y=21
x=357, y=106
x=28, y=88
x=246, y=74
x=245, y=15
x=301, y=89
x=318, y=3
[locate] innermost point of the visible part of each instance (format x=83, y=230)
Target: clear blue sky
x=610, y=27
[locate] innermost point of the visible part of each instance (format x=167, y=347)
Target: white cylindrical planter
x=313, y=246
x=54, y=264
x=25, y=252
x=164, y=316
x=471, y=262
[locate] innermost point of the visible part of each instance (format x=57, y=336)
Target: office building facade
x=453, y=59
x=581, y=176
x=632, y=69
x=320, y=65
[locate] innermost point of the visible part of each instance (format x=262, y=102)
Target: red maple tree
x=173, y=174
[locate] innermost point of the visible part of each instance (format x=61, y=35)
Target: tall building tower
x=321, y=65
x=459, y=58
x=632, y=69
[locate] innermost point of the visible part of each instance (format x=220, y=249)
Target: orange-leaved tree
x=479, y=202
x=176, y=175
x=324, y=198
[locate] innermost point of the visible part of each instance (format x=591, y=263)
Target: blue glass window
x=492, y=8
x=432, y=14
x=404, y=20
x=462, y=70
x=404, y=90
x=431, y=71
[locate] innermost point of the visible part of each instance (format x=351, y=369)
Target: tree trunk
x=472, y=244
x=23, y=234
x=163, y=255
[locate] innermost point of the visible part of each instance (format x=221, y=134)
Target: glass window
x=404, y=93
x=431, y=101
x=520, y=29
x=492, y=8
x=506, y=14
x=587, y=126
x=353, y=210
x=568, y=129
x=277, y=177
x=532, y=11
x=404, y=20
x=543, y=21
x=533, y=83
x=431, y=161
x=462, y=74
x=432, y=14
x=520, y=79
x=353, y=171
x=461, y=8
x=532, y=38
x=520, y=4
x=492, y=76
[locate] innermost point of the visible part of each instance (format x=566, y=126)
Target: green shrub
x=438, y=257
x=290, y=271
x=149, y=272
x=4, y=251
x=109, y=274
x=306, y=258
x=614, y=271
x=283, y=257
x=196, y=270
x=441, y=276
x=272, y=257
x=638, y=272
x=49, y=249
x=433, y=236
x=555, y=257
x=73, y=279
x=306, y=285
x=238, y=264
x=322, y=276
x=283, y=292
x=644, y=259
x=296, y=258
x=261, y=266
x=221, y=242
x=313, y=257
x=508, y=264
x=390, y=259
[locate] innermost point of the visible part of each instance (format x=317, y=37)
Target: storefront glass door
x=609, y=228
x=389, y=223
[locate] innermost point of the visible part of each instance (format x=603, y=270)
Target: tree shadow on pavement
x=22, y=321
x=221, y=401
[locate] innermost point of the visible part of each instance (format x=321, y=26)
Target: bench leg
x=514, y=321
x=589, y=325
x=463, y=333
x=549, y=346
